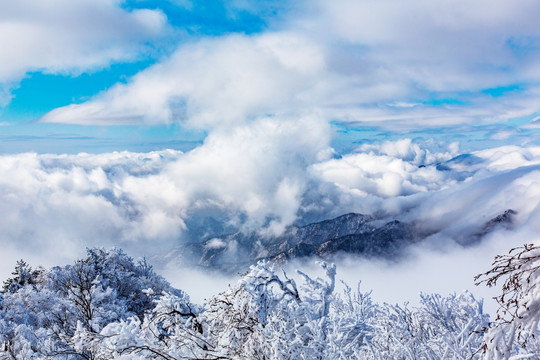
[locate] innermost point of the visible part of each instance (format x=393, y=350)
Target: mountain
x=347, y=234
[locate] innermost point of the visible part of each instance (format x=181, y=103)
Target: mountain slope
x=350, y=234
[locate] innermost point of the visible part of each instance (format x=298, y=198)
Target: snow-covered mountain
x=347, y=234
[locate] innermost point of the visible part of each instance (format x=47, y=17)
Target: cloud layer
x=414, y=65
x=252, y=177
x=259, y=177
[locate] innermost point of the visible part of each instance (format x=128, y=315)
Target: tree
x=22, y=275
x=107, y=306
x=43, y=311
x=514, y=333
x=440, y=328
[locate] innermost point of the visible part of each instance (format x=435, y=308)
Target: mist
x=151, y=202
x=423, y=269
x=55, y=206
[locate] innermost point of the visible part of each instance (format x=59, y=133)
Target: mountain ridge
x=350, y=233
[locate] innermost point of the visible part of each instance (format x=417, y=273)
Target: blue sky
x=39, y=92
x=147, y=75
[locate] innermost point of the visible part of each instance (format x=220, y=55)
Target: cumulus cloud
x=408, y=65
x=59, y=36
x=252, y=176
x=449, y=196
x=55, y=205
x=436, y=57
x=445, y=46
x=386, y=170
x=211, y=83
x=258, y=170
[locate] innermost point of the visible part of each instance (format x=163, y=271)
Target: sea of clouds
x=263, y=177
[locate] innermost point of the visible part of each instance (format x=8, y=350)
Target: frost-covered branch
x=514, y=333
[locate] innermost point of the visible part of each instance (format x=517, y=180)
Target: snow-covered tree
x=440, y=328
x=107, y=306
x=22, y=275
x=43, y=311
x=169, y=331
x=515, y=332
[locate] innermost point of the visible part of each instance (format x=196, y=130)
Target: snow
x=108, y=306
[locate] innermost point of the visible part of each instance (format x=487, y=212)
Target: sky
x=132, y=123
x=100, y=76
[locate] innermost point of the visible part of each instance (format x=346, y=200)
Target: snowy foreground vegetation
x=108, y=306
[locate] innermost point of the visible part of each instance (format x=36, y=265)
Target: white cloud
x=59, y=36
x=438, y=43
x=257, y=169
x=352, y=60
x=406, y=52
x=211, y=83
x=260, y=176
x=533, y=124
x=382, y=177
x=58, y=204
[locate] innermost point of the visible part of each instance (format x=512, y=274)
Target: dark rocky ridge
x=350, y=234
x=502, y=221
